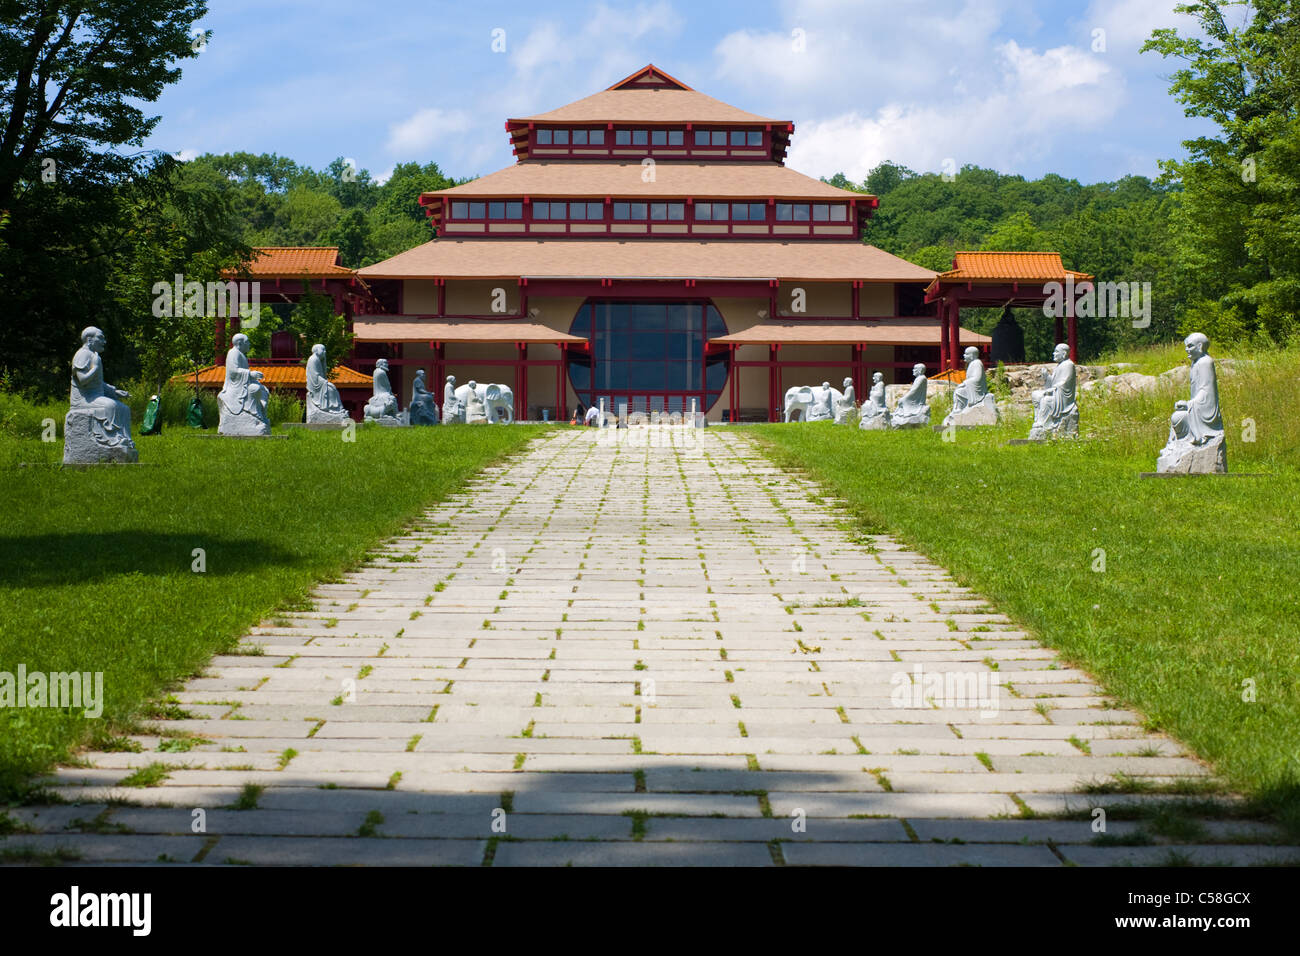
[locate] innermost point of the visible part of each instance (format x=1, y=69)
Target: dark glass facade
x=649, y=355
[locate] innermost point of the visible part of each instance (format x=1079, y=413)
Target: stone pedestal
x=86, y=442
x=982, y=413
x=1181, y=457
x=317, y=416
x=243, y=425
x=422, y=413
x=874, y=418
x=914, y=418
x=1067, y=427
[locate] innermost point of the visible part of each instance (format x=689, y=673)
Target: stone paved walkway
x=633, y=648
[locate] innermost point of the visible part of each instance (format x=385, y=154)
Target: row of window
x=665, y=211
x=652, y=137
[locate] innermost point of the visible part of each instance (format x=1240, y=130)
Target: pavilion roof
x=539, y=179
x=275, y=375
x=920, y=330
x=295, y=262
x=1003, y=267
x=652, y=259
x=405, y=328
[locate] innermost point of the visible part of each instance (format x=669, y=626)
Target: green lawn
x=95, y=565
x=1199, y=588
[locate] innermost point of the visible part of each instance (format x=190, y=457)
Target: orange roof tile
x=277, y=376
x=292, y=262
x=542, y=178
x=402, y=328
x=613, y=258
x=1008, y=267
x=890, y=331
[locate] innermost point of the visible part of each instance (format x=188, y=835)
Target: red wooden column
x=521, y=380
x=954, y=336
x=439, y=370
x=773, y=389
x=561, y=370
x=1074, y=336
x=943, y=334
x=735, y=384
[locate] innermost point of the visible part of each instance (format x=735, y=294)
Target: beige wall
x=823, y=299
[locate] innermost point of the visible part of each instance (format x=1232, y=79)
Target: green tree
x=179, y=227
x=1237, y=228
x=74, y=77
x=315, y=322
x=74, y=71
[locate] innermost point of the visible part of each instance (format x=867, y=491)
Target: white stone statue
x=324, y=407
x=798, y=399
x=1196, y=443
x=972, y=403
x=452, y=411
x=912, y=410
x=242, y=399
x=382, y=407
x=823, y=406
x=1056, y=413
x=486, y=403
x=422, y=410
x=97, y=427
x=473, y=404
x=847, y=405
x=807, y=403
x=875, y=413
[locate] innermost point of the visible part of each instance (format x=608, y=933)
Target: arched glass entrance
x=649, y=355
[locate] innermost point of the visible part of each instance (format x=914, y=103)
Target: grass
x=1200, y=573
x=95, y=565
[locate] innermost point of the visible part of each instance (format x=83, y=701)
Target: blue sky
x=1011, y=84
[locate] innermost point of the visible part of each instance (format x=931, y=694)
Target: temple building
x=650, y=247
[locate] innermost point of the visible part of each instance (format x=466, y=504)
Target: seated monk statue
x=875, y=413
x=1056, y=413
x=971, y=402
x=97, y=427
x=1204, y=419
x=242, y=399
x=383, y=403
x=823, y=404
x=475, y=407
x=422, y=410
x=975, y=387
x=323, y=403
x=1196, y=443
x=911, y=408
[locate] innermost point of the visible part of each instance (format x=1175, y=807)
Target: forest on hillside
x=88, y=225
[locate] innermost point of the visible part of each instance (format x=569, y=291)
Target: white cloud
x=1017, y=115
x=426, y=129
x=1128, y=23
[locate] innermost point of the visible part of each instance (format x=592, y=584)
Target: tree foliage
x=1236, y=244
x=1116, y=231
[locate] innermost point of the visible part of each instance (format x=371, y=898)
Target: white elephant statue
x=497, y=401
x=808, y=403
